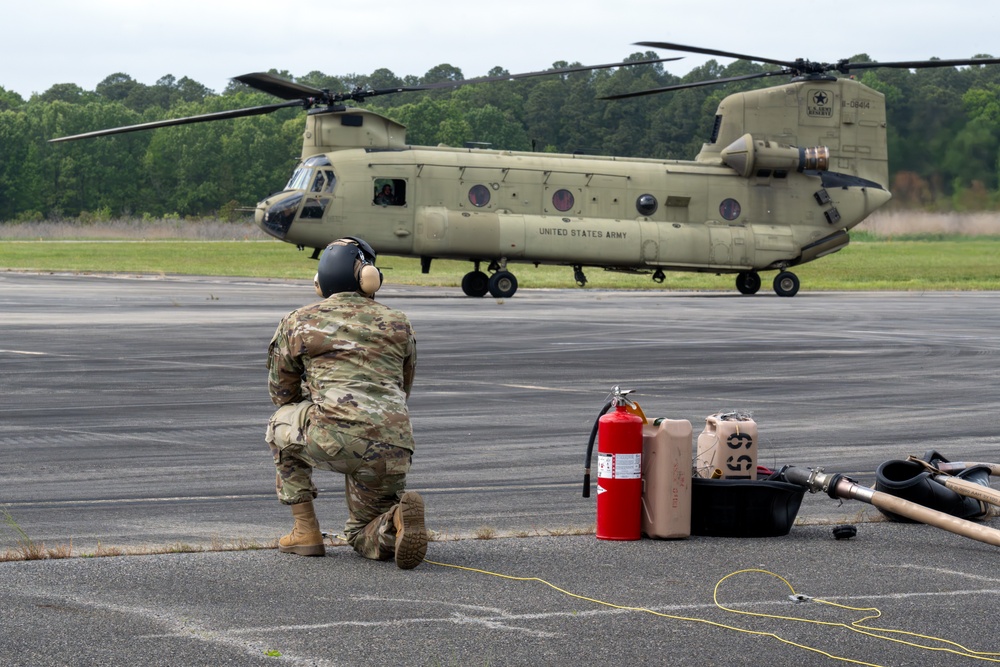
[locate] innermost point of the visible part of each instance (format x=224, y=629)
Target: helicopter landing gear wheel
x=748, y=282
x=502, y=284
x=786, y=283
x=475, y=283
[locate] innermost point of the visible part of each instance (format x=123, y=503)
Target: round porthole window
x=729, y=209
x=646, y=204
x=563, y=200
x=479, y=195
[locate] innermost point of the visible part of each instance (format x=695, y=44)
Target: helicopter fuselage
x=754, y=199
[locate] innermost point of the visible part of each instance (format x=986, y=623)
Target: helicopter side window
x=646, y=204
x=479, y=195
x=389, y=192
x=715, y=130
x=729, y=209
x=563, y=200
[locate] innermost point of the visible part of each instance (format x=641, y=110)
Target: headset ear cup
x=369, y=279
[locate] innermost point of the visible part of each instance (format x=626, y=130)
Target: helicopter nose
x=276, y=217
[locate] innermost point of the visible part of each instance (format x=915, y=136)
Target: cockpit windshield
x=299, y=179
x=313, y=175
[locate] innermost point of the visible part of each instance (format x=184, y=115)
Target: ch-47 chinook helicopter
x=787, y=172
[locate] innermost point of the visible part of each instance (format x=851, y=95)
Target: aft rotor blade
x=715, y=52
x=696, y=84
x=219, y=115
x=922, y=64
x=548, y=72
x=360, y=95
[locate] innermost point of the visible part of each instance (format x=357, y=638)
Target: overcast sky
x=46, y=42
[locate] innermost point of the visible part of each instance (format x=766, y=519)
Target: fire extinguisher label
x=628, y=466
x=605, y=465
x=619, y=466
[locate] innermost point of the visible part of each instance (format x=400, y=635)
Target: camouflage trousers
x=375, y=476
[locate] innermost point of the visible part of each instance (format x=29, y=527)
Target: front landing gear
x=503, y=284
x=748, y=282
x=475, y=283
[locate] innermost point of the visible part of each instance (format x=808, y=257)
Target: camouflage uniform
x=340, y=371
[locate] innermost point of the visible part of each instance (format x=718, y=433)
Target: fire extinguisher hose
x=590, y=448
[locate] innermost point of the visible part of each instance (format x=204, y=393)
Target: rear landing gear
x=785, y=283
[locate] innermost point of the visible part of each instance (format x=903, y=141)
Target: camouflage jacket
x=354, y=358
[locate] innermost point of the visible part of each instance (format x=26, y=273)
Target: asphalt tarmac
x=132, y=420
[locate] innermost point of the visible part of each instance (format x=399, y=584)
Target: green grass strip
x=957, y=264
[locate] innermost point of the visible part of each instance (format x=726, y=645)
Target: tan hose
x=959, y=466
x=961, y=486
x=971, y=489
x=846, y=488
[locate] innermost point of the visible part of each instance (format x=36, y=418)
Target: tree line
x=943, y=134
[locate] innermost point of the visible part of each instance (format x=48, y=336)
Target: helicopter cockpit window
x=646, y=204
x=563, y=200
x=323, y=181
x=313, y=208
x=479, y=195
x=306, y=176
x=389, y=192
x=300, y=179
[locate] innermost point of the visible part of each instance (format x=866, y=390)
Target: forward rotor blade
x=219, y=115
x=283, y=88
x=696, y=84
x=288, y=90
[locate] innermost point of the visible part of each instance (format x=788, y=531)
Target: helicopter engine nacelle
x=748, y=155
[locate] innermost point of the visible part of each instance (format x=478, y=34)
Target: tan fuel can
x=667, y=446
x=727, y=447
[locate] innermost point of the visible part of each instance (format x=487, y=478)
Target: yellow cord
x=855, y=626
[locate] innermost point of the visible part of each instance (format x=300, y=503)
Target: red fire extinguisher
x=619, y=469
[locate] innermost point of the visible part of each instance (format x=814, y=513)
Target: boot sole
x=312, y=550
x=411, y=541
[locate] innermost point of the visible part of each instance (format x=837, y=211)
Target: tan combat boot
x=411, y=535
x=305, y=538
